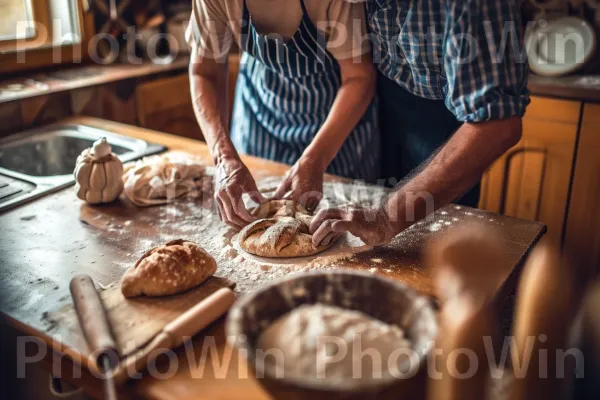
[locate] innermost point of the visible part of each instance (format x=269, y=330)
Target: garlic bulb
x=98, y=174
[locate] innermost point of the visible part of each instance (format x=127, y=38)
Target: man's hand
x=303, y=183
x=232, y=180
x=372, y=225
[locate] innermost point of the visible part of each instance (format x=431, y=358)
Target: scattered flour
x=196, y=220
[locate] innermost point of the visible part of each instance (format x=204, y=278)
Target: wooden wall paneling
x=11, y=117
x=119, y=101
x=165, y=105
x=41, y=110
x=85, y=102
x=582, y=238
x=32, y=108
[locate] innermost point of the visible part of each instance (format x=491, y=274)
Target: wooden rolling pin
x=468, y=265
x=174, y=334
x=96, y=329
x=549, y=297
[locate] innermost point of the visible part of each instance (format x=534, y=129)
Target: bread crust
x=282, y=231
x=165, y=270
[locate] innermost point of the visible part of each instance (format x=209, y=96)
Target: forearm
x=352, y=100
x=455, y=169
x=209, y=99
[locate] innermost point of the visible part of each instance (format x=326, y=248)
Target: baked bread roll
x=170, y=269
x=281, y=231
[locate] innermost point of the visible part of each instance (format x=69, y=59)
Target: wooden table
x=46, y=242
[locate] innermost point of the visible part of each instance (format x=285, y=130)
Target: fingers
x=330, y=238
x=366, y=234
x=324, y=215
x=281, y=189
x=238, y=206
x=252, y=190
x=311, y=199
x=257, y=197
x=227, y=212
x=343, y=226
x=324, y=230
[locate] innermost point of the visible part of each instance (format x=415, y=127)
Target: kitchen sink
x=40, y=161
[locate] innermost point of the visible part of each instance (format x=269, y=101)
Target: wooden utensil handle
x=200, y=316
x=92, y=319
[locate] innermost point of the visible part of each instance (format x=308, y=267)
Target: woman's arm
x=208, y=79
x=305, y=179
x=353, y=98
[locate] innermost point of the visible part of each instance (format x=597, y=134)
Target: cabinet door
x=531, y=180
x=165, y=105
x=582, y=241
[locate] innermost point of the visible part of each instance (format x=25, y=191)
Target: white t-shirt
x=218, y=22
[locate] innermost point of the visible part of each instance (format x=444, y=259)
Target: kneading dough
x=173, y=268
x=162, y=178
x=282, y=231
x=322, y=341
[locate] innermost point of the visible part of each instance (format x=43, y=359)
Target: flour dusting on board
x=195, y=219
x=198, y=222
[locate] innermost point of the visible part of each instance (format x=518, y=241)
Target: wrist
x=314, y=162
x=395, y=215
x=223, y=151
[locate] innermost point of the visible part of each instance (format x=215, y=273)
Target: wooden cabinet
x=582, y=240
x=165, y=105
x=532, y=180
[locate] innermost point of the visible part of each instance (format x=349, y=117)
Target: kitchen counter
x=575, y=87
x=76, y=77
x=45, y=243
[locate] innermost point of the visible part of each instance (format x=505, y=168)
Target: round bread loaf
x=169, y=269
x=281, y=232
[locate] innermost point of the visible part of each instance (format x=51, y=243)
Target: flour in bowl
x=325, y=342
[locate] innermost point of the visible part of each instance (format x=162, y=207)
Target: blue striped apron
x=284, y=92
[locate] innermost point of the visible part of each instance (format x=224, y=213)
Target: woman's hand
x=303, y=183
x=232, y=180
x=372, y=225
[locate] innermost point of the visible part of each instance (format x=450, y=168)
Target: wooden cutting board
x=134, y=322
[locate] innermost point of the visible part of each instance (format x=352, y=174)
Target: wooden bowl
x=386, y=300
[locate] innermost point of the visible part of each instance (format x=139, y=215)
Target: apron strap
x=303, y=7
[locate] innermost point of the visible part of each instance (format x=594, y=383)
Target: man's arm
x=490, y=107
x=455, y=169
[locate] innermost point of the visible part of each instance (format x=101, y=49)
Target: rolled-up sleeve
x=208, y=32
x=485, y=60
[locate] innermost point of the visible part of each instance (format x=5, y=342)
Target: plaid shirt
x=467, y=52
